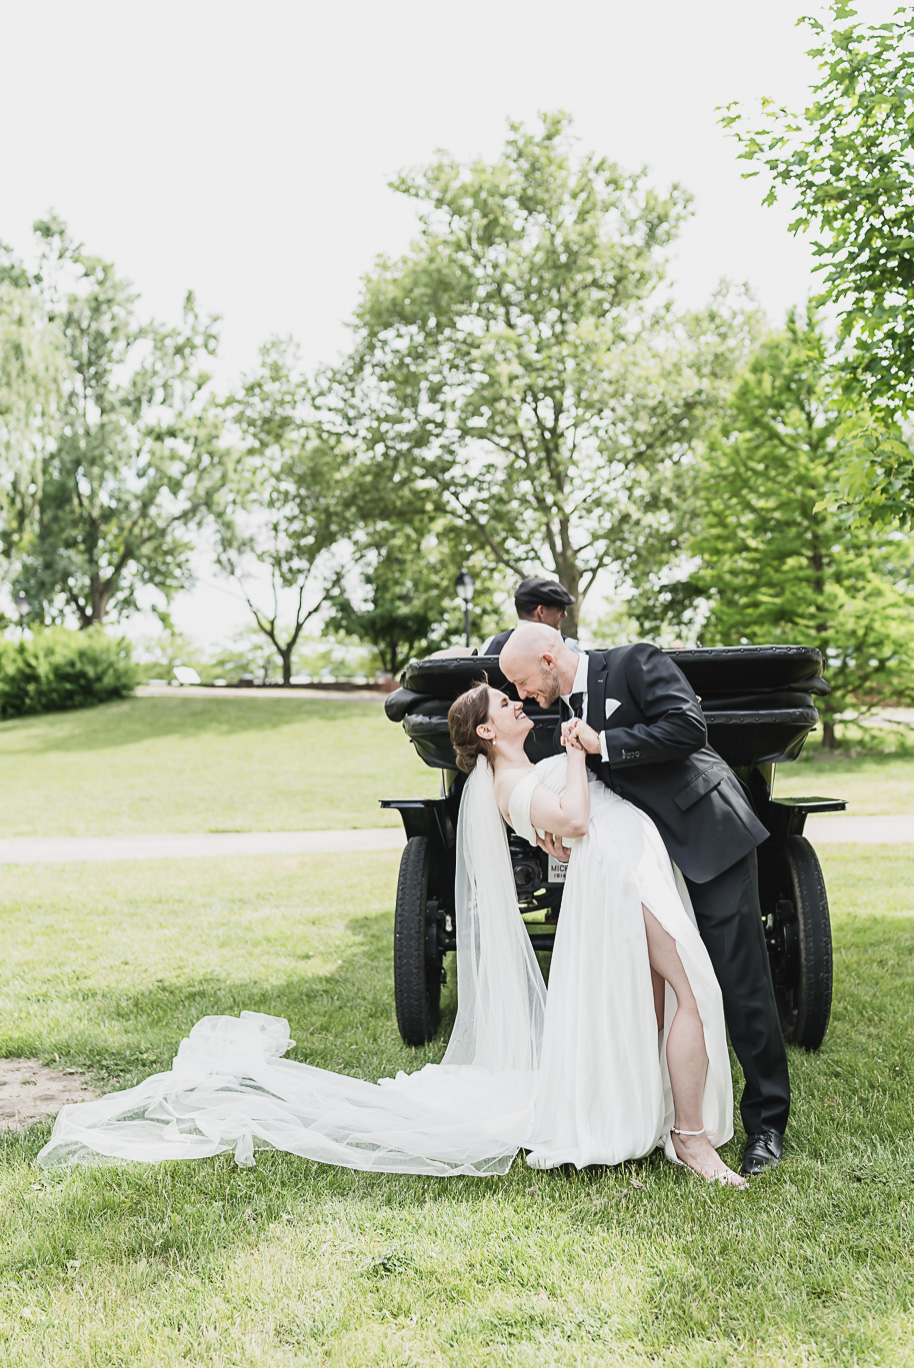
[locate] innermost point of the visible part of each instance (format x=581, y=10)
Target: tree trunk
x=569, y=576
x=829, y=740
x=99, y=596
x=285, y=655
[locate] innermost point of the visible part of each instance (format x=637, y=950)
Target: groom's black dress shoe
x=763, y=1151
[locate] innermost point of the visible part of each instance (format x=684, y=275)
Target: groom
x=646, y=739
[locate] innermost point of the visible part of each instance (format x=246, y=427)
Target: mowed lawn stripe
x=145, y=766
x=150, y=765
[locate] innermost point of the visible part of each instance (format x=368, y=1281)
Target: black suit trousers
x=729, y=919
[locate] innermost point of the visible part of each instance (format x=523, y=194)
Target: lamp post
x=464, y=586
x=22, y=608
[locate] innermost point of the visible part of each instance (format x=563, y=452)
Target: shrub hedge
x=58, y=669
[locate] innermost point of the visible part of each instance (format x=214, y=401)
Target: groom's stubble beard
x=551, y=688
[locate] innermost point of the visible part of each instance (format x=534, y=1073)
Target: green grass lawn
x=292, y=1263
x=872, y=784
x=147, y=765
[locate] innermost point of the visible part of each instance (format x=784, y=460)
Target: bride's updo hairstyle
x=465, y=714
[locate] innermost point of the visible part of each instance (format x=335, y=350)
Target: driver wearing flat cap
x=536, y=600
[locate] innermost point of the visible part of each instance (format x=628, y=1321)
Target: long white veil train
x=231, y=1089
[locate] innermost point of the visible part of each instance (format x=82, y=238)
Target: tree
x=398, y=613
x=137, y=459
x=404, y=605
x=846, y=162
x=774, y=565
x=289, y=509
x=521, y=368
x=32, y=367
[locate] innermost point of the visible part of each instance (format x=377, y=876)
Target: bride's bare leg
x=659, y=986
x=687, y=1057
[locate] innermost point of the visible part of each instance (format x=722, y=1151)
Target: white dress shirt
x=580, y=686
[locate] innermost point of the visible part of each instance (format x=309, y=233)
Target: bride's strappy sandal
x=728, y=1179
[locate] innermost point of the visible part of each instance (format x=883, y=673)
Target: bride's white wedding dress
x=579, y=1077
x=604, y=1090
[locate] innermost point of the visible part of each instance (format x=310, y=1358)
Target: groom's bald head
x=537, y=661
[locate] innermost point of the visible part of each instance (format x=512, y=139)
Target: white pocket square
x=611, y=705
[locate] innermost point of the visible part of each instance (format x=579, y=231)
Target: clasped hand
x=553, y=846
x=576, y=735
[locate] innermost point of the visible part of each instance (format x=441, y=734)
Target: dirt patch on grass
x=29, y=1091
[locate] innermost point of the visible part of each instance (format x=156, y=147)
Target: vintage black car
x=759, y=709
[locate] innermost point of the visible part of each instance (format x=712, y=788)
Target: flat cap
x=537, y=590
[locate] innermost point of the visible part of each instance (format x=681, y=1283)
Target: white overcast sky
x=243, y=149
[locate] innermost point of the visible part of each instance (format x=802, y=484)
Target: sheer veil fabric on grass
x=231, y=1089
x=580, y=1078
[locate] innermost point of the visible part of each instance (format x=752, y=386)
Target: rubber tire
x=805, y=1019
x=417, y=978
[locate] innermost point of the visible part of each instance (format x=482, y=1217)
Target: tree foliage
x=136, y=459
x=774, y=565
x=846, y=161
x=521, y=367
x=291, y=506
x=32, y=368
x=404, y=603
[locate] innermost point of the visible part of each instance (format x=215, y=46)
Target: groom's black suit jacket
x=659, y=759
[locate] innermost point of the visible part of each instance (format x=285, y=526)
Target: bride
x=627, y=1052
